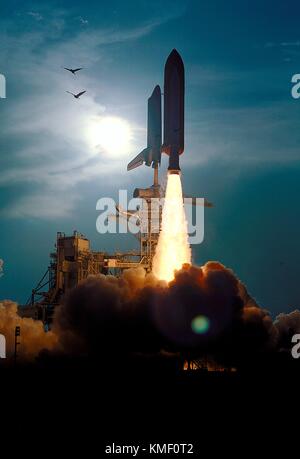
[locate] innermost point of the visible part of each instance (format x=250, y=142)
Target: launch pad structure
x=74, y=261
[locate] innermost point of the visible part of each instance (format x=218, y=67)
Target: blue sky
x=242, y=129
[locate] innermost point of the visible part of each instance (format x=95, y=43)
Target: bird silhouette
x=76, y=95
x=73, y=70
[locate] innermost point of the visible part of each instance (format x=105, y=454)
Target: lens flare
x=200, y=324
x=173, y=249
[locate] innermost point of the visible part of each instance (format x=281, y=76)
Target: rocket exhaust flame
x=173, y=249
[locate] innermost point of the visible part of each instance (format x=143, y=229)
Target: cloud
x=290, y=43
x=46, y=132
x=219, y=133
x=1, y=267
x=289, y=49
x=270, y=44
x=230, y=110
x=42, y=206
x=282, y=44
x=37, y=16
x=83, y=21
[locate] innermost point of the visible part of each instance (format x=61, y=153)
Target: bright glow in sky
x=111, y=134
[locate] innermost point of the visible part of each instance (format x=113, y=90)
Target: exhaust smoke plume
x=173, y=249
x=203, y=312
x=33, y=338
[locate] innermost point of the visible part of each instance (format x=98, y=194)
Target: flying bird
x=76, y=95
x=73, y=70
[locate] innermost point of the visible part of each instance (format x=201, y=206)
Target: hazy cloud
x=49, y=129
x=271, y=44
x=83, y=21
x=42, y=206
x=220, y=133
x=35, y=15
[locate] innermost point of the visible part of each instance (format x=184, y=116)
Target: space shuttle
x=173, y=144
x=151, y=155
x=173, y=122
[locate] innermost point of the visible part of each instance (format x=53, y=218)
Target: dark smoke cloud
x=107, y=315
x=138, y=314
x=108, y=318
x=287, y=326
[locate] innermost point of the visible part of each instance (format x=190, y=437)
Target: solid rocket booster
x=174, y=110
